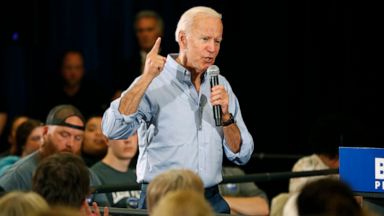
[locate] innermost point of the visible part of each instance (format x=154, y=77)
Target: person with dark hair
x=74, y=87
x=148, y=26
x=170, y=107
x=325, y=138
x=328, y=197
x=114, y=169
x=15, y=123
x=95, y=145
x=29, y=138
x=62, y=179
x=63, y=132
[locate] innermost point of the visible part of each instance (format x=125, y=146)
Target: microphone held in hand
x=213, y=73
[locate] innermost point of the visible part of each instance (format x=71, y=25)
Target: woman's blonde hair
x=171, y=180
x=18, y=203
x=183, y=202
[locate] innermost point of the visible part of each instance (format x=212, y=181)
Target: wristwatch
x=231, y=120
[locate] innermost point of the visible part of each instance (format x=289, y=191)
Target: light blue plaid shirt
x=176, y=127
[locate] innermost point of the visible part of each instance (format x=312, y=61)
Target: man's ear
x=45, y=130
x=182, y=40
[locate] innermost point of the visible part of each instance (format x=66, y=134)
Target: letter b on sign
x=379, y=168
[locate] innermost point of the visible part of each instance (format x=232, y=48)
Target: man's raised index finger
x=156, y=46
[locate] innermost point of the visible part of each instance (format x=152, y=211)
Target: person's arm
x=219, y=96
x=120, y=119
x=247, y=205
x=154, y=63
x=243, y=198
x=232, y=135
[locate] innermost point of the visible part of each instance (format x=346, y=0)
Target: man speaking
x=170, y=105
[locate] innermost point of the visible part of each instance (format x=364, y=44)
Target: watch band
x=231, y=120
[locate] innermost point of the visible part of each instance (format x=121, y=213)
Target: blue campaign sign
x=362, y=168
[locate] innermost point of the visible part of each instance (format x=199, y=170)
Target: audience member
x=73, y=87
x=15, y=123
x=63, y=132
x=29, y=138
x=94, y=145
x=114, y=170
x=183, y=203
x=170, y=106
x=325, y=138
x=243, y=198
x=328, y=197
x=62, y=179
x=18, y=203
x=60, y=211
x=172, y=180
x=148, y=26
x=68, y=211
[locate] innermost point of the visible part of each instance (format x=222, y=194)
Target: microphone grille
x=213, y=70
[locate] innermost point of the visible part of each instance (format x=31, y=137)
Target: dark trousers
x=211, y=194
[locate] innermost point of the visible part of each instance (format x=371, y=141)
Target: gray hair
x=187, y=19
x=149, y=14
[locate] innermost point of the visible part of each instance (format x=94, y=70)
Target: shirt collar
x=182, y=74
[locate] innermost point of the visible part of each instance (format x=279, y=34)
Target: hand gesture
x=87, y=211
x=154, y=62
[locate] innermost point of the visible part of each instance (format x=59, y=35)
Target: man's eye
x=64, y=134
x=79, y=138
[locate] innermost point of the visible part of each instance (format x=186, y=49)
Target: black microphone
x=213, y=72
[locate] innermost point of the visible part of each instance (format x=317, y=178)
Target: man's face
x=124, y=149
x=202, y=44
x=147, y=31
x=73, y=68
x=63, y=138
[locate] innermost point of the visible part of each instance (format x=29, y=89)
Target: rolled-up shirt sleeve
x=118, y=126
x=247, y=146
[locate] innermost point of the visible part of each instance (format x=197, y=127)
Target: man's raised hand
x=154, y=62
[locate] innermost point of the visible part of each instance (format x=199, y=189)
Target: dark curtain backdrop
x=288, y=64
